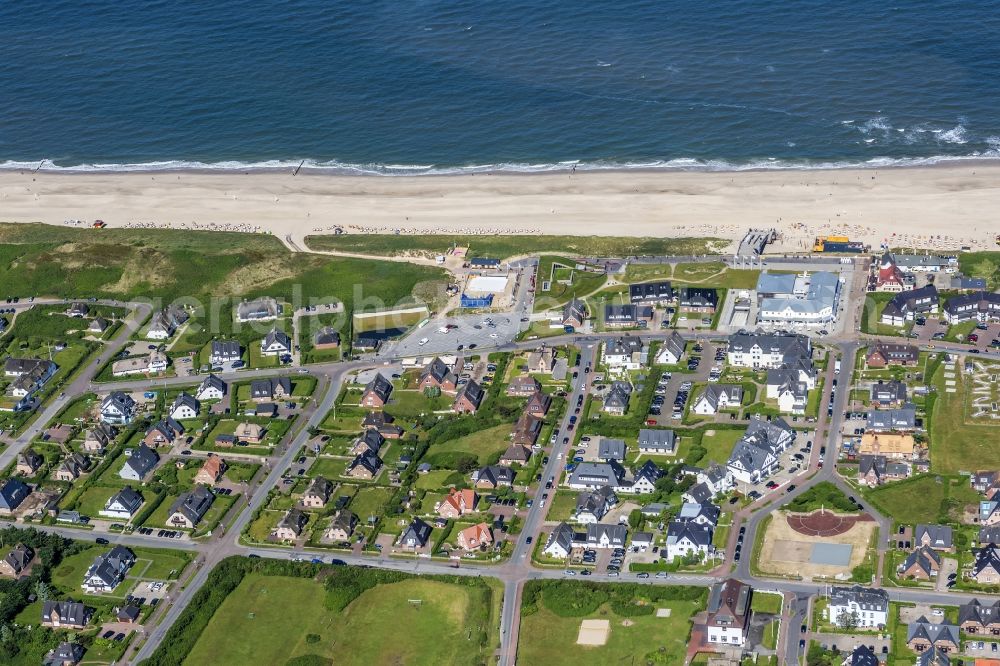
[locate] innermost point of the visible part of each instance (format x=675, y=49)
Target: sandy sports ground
x=594, y=632
x=786, y=552
x=942, y=207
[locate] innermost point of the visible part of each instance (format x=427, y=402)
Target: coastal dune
x=942, y=207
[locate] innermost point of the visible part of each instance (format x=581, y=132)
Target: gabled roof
x=320, y=487
x=564, y=535
x=185, y=400
x=473, y=392
x=931, y=632
x=277, y=336
x=12, y=493
x=328, y=336
x=438, y=372
x=293, y=520
x=665, y=440
x=867, y=598
x=863, y=656
x=212, y=382
x=925, y=558
x=380, y=386
x=417, y=532
x=680, y=530
x=194, y=505
x=728, y=603
x=939, y=536
x=121, y=402
x=127, y=498
x=975, y=611
x=368, y=460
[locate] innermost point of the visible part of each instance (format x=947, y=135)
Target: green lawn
x=151, y=564
x=766, y=603
x=720, y=443
x=580, y=283
x=547, y=638
x=501, y=247
x=823, y=495
x=270, y=620
x=981, y=264
x=957, y=442
x=331, y=468
x=923, y=499
x=481, y=444
x=370, y=502
x=434, y=479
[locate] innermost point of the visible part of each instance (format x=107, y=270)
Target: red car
x=973, y=337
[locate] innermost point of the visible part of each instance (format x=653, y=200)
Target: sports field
x=273, y=619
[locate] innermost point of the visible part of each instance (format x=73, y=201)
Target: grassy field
x=481, y=444
x=719, y=444
x=270, y=620
x=958, y=443
x=926, y=498
x=547, y=638
x=47, y=260
x=871, y=316
x=823, y=495
x=501, y=247
x=981, y=264
x=559, y=293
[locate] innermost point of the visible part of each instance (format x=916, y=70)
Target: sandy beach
x=942, y=207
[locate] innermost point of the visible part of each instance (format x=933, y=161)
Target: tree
x=43, y=591
x=848, y=621
x=635, y=519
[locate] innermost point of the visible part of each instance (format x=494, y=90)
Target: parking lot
x=465, y=332
x=673, y=394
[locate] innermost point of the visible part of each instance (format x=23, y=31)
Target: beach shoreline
x=939, y=207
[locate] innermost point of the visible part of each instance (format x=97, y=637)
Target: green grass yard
x=269, y=620
x=923, y=499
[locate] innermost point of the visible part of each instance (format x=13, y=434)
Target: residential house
x=538, y=404
x=862, y=655
x=211, y=471
x=364, y=466
x=561, y=542
x=592, y=506
x=871, y=470
x=986, y=482
x=163, y=433
x=889, y=420
x=890, y=393
x=884, y=354
x=318, y=493
x=672, y=350
x=981, y=306
x=906, y=305
x=260, y=309
x=938, y=537
x=65, y=654
x=869, y=606
x=627, y=315
x=65, y=614
x=493, y=477
x=729, y=612
x=625, y=353
x=523, y=385
x=717, y=478
x=611, y=450
x=790, y=386
x=150, y=364
x=574, y=313
x=699, y=493
x=97, y=438
x=225, y=351
x=889, y=277
x=616, y=401
x=326, y=338
x=703, y=514
x=17, y=561
x=437, y=375
x=290, y=527
x=541, y=361
x=767, y=350
x=593, y=475
x=28, y=462
x=128, y=614
x=123, y=505
x=12, y=493
x=645, y=479
x=98, y=325
x=29, y=376
x=687, y=538
x=276, y=343
x=185, y=407
x=275, y=388
x=989, y=513
x=976, y=618
x=986, y=566
x=936, y=657
x=376, y=393
x=921, y=564
x=383, y=424
x=415, y=536
x=527, y=430
x=165, y=322
x=108, y=570
x=77, y=309
x=251, y=433
x=753, y=459
x=458, y=503
x=895, y=446
x=72, y=466
x=698, y=299
x=474, y=537
x=659, y=442
x=341, y=526
x=924, y=634
x=606, y=536
x=469, y=398
x=212, y=388
x=117, y=408
x=516, y=454
x=651, y=293
x=369, y=440
x=717, y=397
x=190, y=508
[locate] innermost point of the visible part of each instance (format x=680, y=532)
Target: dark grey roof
x=277, y=336
x=473, y=392
x=678, y=530
x=890, y=391
x=194, y=505
x=367, y=459
x=650, y=291
x=940, y=536
x=933, y=633
x=867, y=598
x=65, y=653
x=327, y=335
x=417, y=532
x=128, y=498
x=975, y=611
x=380, y=386
x=665, y=440
x=863, y=656
x=266, y=388
x=69, y=612
x=226, y=348
x=12, y=493
x=883, y=420
x=213, y=382
x=611, y=449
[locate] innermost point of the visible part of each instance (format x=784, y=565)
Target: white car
x=422, y=342
x=494, y=335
